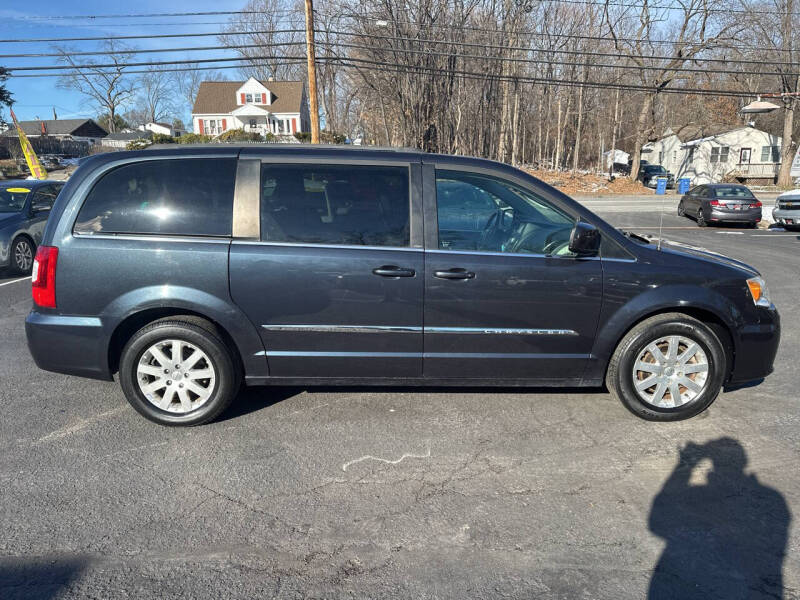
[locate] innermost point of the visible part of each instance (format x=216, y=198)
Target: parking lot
x=380, y=492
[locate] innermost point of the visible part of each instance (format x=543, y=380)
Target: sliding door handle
x=393, y=271
x=454, y=274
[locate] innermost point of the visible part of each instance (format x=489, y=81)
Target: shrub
x=326, y=137
x=193, y=138
x=240, y=135
x=139, y=144
x=162, y=138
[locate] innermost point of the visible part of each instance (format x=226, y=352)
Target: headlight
x=759, y=292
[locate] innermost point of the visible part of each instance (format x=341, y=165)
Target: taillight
x=756, y=205
x=715, y=203
x=43, y=276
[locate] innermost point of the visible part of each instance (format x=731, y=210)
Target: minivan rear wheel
x=667, y=368
x=178, y=373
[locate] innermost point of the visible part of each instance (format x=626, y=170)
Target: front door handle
x=455, y=273
x=393, y=271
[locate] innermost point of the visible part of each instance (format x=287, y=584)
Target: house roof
x=53, y=127
x=219, y=97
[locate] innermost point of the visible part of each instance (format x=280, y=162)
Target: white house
x=163, y=128
x=744, y=154
x=277, y=107
x=619, y=157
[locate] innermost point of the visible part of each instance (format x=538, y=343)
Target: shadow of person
x=726, y=538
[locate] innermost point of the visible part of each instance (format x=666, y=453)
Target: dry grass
x=589, y=183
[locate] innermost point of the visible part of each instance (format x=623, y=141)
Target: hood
x=707, y=255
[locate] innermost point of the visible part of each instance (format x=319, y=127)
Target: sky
x=36, y=97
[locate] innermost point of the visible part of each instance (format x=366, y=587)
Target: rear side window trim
x=75, y=206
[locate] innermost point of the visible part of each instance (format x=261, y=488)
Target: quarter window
x=168, y=197
x=335, y=204
x=482, y=213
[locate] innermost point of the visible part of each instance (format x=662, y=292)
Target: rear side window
x=357, y=205
x=170, y=197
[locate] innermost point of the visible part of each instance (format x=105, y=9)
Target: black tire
x=701, y=220
x=22, y=247
x=753, y=225
x=204, y=336
x=619, y=377
x=681, y=209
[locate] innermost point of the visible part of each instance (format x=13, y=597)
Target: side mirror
x=40, y=207
x=584, y=239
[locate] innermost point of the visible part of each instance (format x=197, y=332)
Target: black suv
x=650, y=174
x=189, y=270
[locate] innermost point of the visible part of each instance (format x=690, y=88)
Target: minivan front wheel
x=667, y=368
x=177, y=372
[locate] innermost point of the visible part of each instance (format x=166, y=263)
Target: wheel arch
x=135, y=321
x=705, y=315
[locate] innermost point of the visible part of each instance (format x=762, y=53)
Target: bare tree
x=109, y=88
x=692, y=29
x=187, y=82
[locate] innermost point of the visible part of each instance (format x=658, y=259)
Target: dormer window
x=248, y=98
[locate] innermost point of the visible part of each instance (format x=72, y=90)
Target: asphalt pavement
x=411, y=493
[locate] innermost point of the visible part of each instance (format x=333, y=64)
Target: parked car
x=188, y=270
x=649, y=175
x=787, y=210
x=720, y=203
x=622, y=168
x=24, y=206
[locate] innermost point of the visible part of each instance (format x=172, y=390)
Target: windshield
x=12, y=199
x=733, y=192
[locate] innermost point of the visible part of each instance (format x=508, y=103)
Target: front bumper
x=784, y=216
x=751, y=215
x=71, y=345
x=757, y=347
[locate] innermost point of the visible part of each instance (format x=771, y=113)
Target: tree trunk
x=787, y=145
x=639, y=138
x=515, y=126
x=578, y=130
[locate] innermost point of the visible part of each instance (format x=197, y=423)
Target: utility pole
x=312, y=72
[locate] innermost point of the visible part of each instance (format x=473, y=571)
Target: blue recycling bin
x=661, y=185
x=683, y=185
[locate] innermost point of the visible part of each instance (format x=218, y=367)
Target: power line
x=147, y=37
x=559, y=51
x=599, y=38
x=580, y=53
x=149, y=50
x=142, y=64
x=387, y=67
x=550, y=61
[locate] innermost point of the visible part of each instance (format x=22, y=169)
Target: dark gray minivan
x=190, y=270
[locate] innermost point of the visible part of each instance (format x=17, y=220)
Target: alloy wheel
x=176, y=376
x=23, y=256
x=670, y=372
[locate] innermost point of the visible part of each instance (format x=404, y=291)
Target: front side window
x=335, y=204
x=169, y=197
x=487, y=214
x=45, y=195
